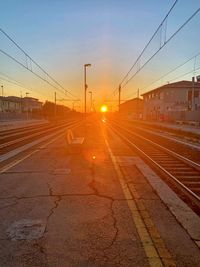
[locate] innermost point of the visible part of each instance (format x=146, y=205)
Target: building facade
x=132, y=108
x=10, y=104
x=30, y=104
x=13, y=107
x=171, y=102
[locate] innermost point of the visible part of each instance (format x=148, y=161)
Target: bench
x=74, y=143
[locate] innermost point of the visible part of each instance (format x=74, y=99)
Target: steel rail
x=188, y=161
x=192, y=195
x=170, y=138
x=25, y=130
x=7, y=144
x=15, y=132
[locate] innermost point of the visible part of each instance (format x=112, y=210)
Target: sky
x=63, y=35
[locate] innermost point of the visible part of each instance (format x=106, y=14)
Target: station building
x=132, y=108
x=173, y=102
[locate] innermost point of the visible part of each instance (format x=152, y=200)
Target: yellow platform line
x=152, y=243
x=17, y=161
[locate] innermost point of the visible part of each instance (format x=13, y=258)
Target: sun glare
x=104, y=108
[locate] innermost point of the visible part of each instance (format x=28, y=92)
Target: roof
x=11, y=98
x=30, y=98
x=180, y=84
x=132, y=100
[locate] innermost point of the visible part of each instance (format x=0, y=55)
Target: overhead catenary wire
x=18, y=83
x=169, y=72
x=144, y=49
x=174, y=79
x=9, y=78
x=114, y=92
x=182, y=75
x=31, y=70
x=169, y=39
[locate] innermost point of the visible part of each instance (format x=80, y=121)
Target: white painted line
x=15, y=162
x=25, y=147
x=12, y=164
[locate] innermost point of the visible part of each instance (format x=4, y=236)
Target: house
x=14, y=104
x=173, y=102
x=10, y=104
x=30, y=104
x=132, y=108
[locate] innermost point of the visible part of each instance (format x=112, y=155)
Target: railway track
x=16, y=141
x=10, y=140
x=187, y=149
x=177, y=169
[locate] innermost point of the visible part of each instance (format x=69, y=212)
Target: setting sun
x=104, y=108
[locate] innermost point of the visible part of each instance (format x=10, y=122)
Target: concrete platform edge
x=189, y=220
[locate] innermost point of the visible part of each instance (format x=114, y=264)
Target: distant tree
x=48, y=110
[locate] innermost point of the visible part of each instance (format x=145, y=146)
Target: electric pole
x=119, y=96
x=55, y=109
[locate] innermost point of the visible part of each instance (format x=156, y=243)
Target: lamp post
x=85, y=85
x=2, y=98
x=90, y=92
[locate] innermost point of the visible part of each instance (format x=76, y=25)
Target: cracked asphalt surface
x=80, y=205
x=87, y=221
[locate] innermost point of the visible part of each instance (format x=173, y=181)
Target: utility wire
x=170, y=38
x=161, y=24
x=17, y=84
x=182, y=75
x=30, y=69
x=166, y=74
x=10, y=78
x=144, y=49
x=177, y=77
x=179, y=66
x=21, y=85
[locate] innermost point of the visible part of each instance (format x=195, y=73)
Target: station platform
x=101, y=207
x=178, y=128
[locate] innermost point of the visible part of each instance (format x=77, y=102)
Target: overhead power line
x=15, y=82
x=164, y=44
x=159, y=27
x=36, y=64
x=171, y=71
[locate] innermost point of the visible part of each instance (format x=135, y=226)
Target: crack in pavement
x=9, y=205
x=52, y=210
x=41, y=249
x=59, y=197
x=66, y=195
x=97, y=193
x=116, y=229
